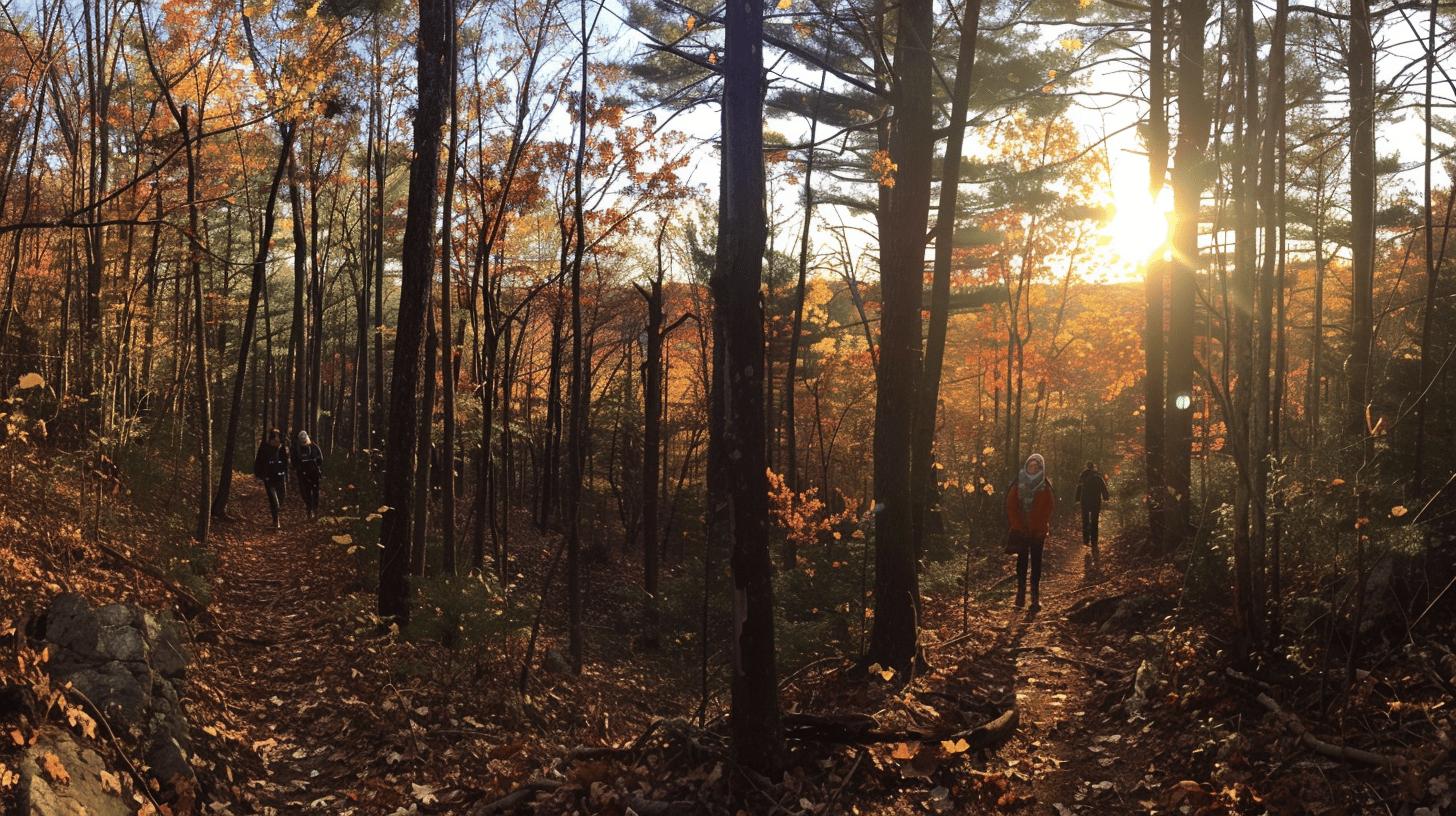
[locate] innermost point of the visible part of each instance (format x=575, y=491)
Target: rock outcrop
x=61, y=777
x=129, y=665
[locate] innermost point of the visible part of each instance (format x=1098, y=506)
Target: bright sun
x=1139, y=226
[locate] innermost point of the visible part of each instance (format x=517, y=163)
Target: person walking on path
x=1091, y=493
x=308, y=459
x=271, y=468
x=1029, y=505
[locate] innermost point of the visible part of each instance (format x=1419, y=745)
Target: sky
x=1134, y=232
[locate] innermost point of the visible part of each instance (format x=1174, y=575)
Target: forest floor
x=302, y=703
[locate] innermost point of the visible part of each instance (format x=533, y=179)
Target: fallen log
x=1328, y=749
x=518, y=797
x=862, y=729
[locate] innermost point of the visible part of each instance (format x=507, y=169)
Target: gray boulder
x=80, y=791
x=128, y=663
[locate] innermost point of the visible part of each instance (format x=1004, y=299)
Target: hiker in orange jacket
x=1029, y=505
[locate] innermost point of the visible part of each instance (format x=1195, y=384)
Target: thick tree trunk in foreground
x=1188, y=181
x=250, y=322
x=737, y=480
x=1154, y=353
x=902, y=270
x=415, y=271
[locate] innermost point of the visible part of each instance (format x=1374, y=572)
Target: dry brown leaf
x=51, y=764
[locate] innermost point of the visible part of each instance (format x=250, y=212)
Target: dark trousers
x=1032, y=553
x=1090, y=516
x=308, y=487
x=276, y=491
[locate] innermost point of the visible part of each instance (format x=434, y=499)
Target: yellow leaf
x=785, y=5
x=957, y=746
x=343, y=539
x=110, y=782
x=887, y=675
x=903, y=751
x=53, y=768
x=1399, y=510
x=690, y=23
x=31, y=380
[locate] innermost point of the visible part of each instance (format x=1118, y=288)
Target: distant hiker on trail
x=309, y=461
x=1029, y=505
x=271, y=468
x=1091, y=493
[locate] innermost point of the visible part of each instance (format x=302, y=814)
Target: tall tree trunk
x=1361, y=62
x=250, y=319
x=651, y=449
x=381, y=145
x=297, y=337
x=737, y=480
x=578, y=396
x=204, y=399
x=1241, y=424
x=1317, y=327
x=416, y=266
x=446, y=476
x=1189, y=177
x=893, y=642
x=1262, y=414
x=1432, y=271
x=922, y=476
x=421, y=520
x=1154, y=430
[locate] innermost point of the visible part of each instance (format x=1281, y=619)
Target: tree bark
x=1361, y=63
x=651, y=449
x=1188, y=181
x=737, y=480
x=446, y=475
x=902, y=270
x=415, y=270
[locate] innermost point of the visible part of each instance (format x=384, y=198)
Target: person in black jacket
x=1091, y=492
x=308, y=459
x=271, y=468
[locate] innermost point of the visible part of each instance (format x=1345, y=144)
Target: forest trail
x=289, y=653
x=1073, y=752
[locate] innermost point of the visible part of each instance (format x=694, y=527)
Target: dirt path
x=296, y=687
x=285, y=659
x=1073, y=752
